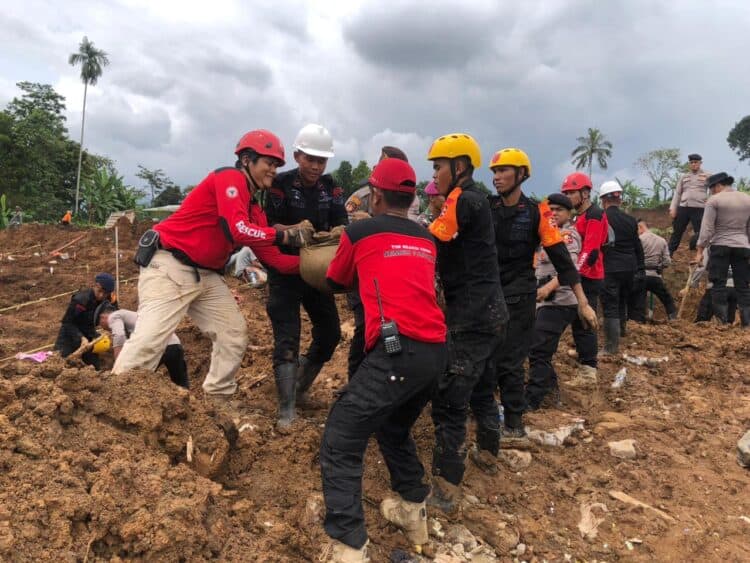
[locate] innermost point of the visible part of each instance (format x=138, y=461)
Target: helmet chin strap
x=455, y=178
x=246, y=171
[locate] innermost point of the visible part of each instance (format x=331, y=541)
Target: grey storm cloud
x=183, y=86
x=417, y=36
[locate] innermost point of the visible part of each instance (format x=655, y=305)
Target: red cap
x=394, y=175
x=262, y=142
x=576, y=181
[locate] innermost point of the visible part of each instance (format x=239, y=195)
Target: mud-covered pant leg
x=696, y=218
x=217, y=315
x=718, y=273
x=174, y=360
x=469, y=362
x=509, y=361
x=386, y=393
x=326, y=327
x=585, y=338
x=551, y=322
x=285, y=297
x=357, y=347
x=679, y=224
x=705, y=311
x=166, y=288
x=655, y=285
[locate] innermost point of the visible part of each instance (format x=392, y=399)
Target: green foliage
x=482, y=186
x=105, y=192
x=663, y=167
x=91, y=59
x=156, y=181
x=343, y=177
x=739, y=138
x=171, y=195
x=633, y=196
x=360, y=173
x=38, y=164
x=742, y=184
x=4, y=213
x=593, y=146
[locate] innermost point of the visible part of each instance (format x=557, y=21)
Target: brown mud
x=94, y=467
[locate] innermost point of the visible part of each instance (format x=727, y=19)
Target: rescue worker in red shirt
x=302, y=194
x=405, y=355
x=591, y=223
x=476, y=314
x=521, y=225
x=182, y=263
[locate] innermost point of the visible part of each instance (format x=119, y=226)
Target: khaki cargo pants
x=167, y=291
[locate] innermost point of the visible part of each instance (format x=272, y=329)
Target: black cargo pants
x=287, y=293
x=384, y=397
x=470, y=365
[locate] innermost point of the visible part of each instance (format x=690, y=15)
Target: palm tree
x=92, y=61
x=593, y=146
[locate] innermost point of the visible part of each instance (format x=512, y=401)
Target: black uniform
x=290, y=202
x=624, y=267
x=517, y=236
x=78, y=322
x=476, y=316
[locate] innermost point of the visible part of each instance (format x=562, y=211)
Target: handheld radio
x=388, y=330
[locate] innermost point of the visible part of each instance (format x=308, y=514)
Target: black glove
x=593, y=257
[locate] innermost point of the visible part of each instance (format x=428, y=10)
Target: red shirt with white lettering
x=219, y=215
x=401, y=255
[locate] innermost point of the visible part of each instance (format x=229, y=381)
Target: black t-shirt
x=626, y=254
x=468, y=268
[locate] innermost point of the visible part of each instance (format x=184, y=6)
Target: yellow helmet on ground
x=511, y=157
x=454, y=145
x=102, y=345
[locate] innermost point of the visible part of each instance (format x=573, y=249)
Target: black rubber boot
x=745, y=316
x=306, y=374
x=721, y=311
x=611, y=335
x=286, y=383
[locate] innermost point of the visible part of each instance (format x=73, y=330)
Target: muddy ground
x=94, y=467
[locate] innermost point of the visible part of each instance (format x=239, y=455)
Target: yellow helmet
x=102, y=345
x=454, y=145
x=511, y=157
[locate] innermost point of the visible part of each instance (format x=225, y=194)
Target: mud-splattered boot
x=444, y=495
x=484, y=460
x=306, y=374
x=611, y=336
x=337, y=552
x=411, y=517
x=286, y=383
x=585, y=377
x=745, y=317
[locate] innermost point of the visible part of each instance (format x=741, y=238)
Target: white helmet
x=314, y=140
x=609, y=187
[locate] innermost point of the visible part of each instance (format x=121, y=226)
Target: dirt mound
x=95, y=467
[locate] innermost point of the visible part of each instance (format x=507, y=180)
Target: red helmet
x=394, y=175
x=262, y=142
x=576, y=181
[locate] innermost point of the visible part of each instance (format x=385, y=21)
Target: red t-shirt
x=219, y=215
x=593, y=227
x=401, y=255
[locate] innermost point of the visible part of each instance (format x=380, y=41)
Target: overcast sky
x=187, y=79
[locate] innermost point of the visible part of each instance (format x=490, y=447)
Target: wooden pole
x=12, y=307
x=57, y=250
x=687, y=291
x=117, y=264
x=28, y=351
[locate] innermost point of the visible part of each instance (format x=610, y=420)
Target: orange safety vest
x=445, y=227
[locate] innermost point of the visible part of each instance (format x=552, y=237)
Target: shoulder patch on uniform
x=232, y=192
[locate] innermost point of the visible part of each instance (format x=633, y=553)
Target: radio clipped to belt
x=147, y=247
x=388, y=330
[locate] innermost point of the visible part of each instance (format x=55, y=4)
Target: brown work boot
x=337, y=552
x=411, y=517
x=484, y=460
x=585, y=377
x=444, y=495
